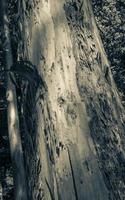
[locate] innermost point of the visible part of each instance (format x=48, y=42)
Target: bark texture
x=73, y=125
x=80, y=122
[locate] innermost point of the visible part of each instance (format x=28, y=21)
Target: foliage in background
x=110, y=18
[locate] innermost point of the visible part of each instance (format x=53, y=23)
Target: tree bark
x=76, y=150
x=77, y=146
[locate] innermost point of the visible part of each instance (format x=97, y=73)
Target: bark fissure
x=73, y=175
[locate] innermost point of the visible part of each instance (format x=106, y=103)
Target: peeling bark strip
x=73, y=176
x=13, y=118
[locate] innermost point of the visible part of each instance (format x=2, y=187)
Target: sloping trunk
x=77, y=148
x=13, y=118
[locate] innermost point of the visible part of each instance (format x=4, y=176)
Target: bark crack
x=73, y=176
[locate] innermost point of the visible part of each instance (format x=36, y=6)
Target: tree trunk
x=74, y=143
x=13, y=118
x=80, y=121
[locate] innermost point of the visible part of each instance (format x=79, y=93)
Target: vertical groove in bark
x=73, y=176
x=50, y=190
